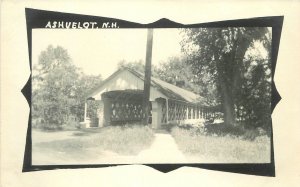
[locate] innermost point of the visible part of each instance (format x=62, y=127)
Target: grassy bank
x=122, y=140
x=226, y=149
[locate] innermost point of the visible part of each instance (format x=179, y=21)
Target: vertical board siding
x=126, y=80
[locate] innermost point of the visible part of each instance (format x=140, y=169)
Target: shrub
x=222, y=129
x=239, y=130
x=42, y=125
x=168, y=127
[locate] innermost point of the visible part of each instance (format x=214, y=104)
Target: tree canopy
x=59, y=88
x=226, y=58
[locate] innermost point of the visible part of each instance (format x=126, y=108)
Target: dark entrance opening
x=125, y=106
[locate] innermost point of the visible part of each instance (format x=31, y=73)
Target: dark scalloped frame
x=39, y=18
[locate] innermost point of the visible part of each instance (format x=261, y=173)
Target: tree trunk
x=227, y=102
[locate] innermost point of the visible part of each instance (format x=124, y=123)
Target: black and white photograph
x=152, y=95
x=149, y=94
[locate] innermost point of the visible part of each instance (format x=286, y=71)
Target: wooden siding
x=123, y=81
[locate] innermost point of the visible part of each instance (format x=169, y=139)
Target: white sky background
x=98, y=51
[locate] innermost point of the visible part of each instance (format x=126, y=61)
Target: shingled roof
x=169, y=90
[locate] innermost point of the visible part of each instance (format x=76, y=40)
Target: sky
x=99, y=51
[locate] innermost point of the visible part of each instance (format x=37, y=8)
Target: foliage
x=135, y=65
x=226, y=58
x=177, y=72
x=54, y=87
x=222, y=129
x=59, y=89
x=85, y=85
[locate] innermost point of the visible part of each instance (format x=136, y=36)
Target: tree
x=255, y=111
x=175, y=71
x=54, y=84
x=135, y=65
x=219, y=55
x=59, y=88
x=178, y=72
x=85, y=85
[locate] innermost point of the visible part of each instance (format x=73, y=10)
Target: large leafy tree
x=59, y=88
x=54, y=84
x=220, y=55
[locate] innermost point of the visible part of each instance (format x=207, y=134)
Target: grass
x=222, y=149
x=126, y=140
x=238, y=130
x=129, y=140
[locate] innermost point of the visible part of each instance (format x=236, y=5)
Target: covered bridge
x=118, y=100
